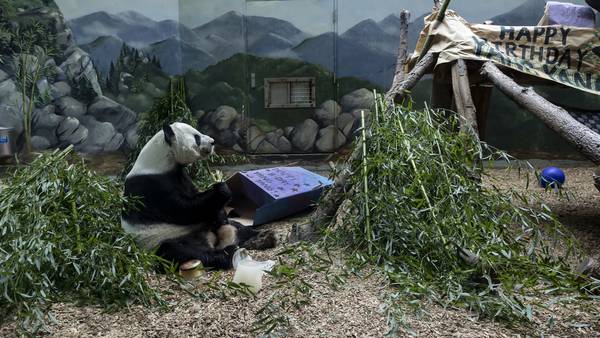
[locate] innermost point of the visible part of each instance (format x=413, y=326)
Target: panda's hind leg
x=250, y=238
x=265, y=239
x=227, y=235
x=183, y=249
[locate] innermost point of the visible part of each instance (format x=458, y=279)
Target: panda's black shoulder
x=148, y=185
x=174, y=181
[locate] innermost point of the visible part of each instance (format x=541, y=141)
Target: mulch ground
x=354, y=308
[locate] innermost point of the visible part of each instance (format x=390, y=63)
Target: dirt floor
x=354, y=308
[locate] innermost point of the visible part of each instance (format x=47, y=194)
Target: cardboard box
x=265, y=195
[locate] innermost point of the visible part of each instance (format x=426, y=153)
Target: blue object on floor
x=553, y=177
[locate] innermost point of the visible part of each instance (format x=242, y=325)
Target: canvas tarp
x=567, y=55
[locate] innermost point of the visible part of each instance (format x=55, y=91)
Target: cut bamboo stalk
x=558, y=119
x=333, y=198
x=462, y=96
x=438, y=20
x=363, y=133
x=376, y=106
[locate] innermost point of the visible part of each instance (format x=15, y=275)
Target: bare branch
x=555, y=117
x=399, y=90
x=402, y=48
x=462, y=96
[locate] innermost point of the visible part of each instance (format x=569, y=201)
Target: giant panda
x=176, y=219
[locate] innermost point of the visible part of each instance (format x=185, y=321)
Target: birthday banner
x=567, y=55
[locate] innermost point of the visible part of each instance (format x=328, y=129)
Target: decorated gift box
x=265, y=195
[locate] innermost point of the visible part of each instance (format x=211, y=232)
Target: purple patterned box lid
x=282, y=182
x=265, y=195
x=560, y=13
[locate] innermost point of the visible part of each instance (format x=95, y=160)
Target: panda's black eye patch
x=198, y=140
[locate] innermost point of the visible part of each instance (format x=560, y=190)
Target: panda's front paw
x=230, y=250
x=230, y=253
x=222, y=191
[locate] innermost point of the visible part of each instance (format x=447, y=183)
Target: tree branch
x=462, y=96
x=402, y=48
x=558, y=119
x=399, y=90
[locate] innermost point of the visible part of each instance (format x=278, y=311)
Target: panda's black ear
x=169, y=134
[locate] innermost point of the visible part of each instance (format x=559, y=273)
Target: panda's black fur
x=172, y=198
x=181, y=221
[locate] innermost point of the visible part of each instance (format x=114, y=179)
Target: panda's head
x=186, y=144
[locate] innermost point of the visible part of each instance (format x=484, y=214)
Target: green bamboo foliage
x=61, y=240
x=427, y=206
x=172, y=108
x=168, y=109
x=29, y=65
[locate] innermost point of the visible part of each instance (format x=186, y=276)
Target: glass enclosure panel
x=290, y=48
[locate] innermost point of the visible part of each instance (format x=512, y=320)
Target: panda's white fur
x=159, y=157
x=151, y=236
x=226, y=236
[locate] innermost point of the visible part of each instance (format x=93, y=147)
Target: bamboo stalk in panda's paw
x=217, y=176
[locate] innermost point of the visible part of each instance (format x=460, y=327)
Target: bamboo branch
x=400, y=87
x=334, y=197
x=438, y=20
x=363, y=133
x=558, y=119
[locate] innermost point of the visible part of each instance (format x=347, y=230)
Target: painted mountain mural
x=529, y=13
x=133, y=28
x=110, y=66
x=177, y=56
x=179, y=48
x=104, y=51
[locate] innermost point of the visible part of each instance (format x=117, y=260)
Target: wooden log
x=597, y=179
x=558, y=119
x=328, y=206
x=403, y=47
x=398, y=91
x=441, y=89
x=462, y=97
x=481, y=97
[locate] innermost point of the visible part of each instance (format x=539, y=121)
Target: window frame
x=268, y=82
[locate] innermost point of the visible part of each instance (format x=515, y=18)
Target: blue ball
x=553, y=177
